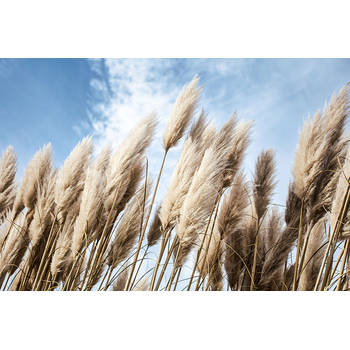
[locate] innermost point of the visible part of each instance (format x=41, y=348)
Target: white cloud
x=129, y=90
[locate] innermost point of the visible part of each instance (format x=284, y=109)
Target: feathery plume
x=278, y=254
x=155, y=229
x=233, y=207
x=129, y=227
x=91, y=206
x=334, y=144
x=210, y=258
x=102, y=160
x=199, y=139
x=313, y=257
x=341, y=189
x=239, y=145
x=272, y=229
x=61, y=256
x=307, y=153
x=136, y=172
x=124, y=170
x=263, y=182
x=288, y=279
x=225, y=135
x=179, y=184
x=198, y=127
x=120, y=283
x=263, y=185
x=35, y=174
x=320, y=145
x=200, y=200
x=43, y=211
x=71, y=177
x=230, y=226
x=182, y=113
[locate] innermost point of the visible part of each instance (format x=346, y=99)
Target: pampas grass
x=199, y=202
x=182, y=113
x=98, y=224
x=70, y=179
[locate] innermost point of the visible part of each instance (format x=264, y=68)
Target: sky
x=62, y=100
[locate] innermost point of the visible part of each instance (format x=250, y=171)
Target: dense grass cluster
x=98, y=224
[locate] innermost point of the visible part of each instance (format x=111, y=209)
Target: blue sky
x=62, y=100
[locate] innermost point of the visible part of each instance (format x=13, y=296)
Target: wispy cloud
x=127, y=91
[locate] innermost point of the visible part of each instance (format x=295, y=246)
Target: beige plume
x=182, y=113
x=71, y=177
x=129, y=227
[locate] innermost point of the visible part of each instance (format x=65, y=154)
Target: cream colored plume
x=126, y=159
x=182, y=113
x=307, y=153
x=239, y=145
x=61, y=258
x=179, y=183
x=129, y=227
x=263, y=182
x=91, y=204
x=272, y=229
x=120, y=283
x=34, y=176
x=320, y=143
x=71, y=177
x=44, y=209
x=230, y=224
x=199, y=139
x=199, y=201
x=211, y=250
x=313, y=256
x=155, y=229
x=341, y=189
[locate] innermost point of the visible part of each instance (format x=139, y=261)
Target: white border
x=189, y=320
x=183, y=28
